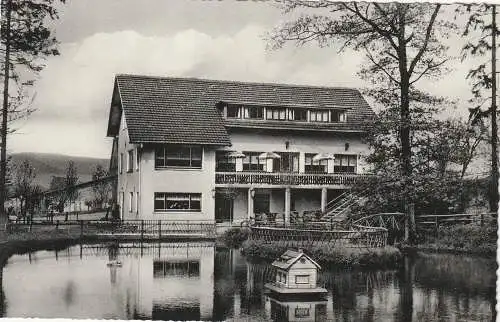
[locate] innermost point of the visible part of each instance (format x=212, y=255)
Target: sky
x=207, y=39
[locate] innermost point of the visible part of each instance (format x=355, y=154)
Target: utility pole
x=5, y=109
x=494, y=128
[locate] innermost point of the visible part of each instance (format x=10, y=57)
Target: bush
x=328, y=254
x=471, y=238
x=235, y=237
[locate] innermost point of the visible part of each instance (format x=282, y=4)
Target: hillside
x=48, y=165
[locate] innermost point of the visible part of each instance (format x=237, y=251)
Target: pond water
x=197, y=281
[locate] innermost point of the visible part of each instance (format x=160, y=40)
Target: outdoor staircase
x=336, y=209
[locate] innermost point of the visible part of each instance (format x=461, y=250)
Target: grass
x=348, y=257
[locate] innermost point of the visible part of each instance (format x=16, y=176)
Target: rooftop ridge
x=208, y=80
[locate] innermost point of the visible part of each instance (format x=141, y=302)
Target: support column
x=323, y=199
x=302, y=162
x=269, y=165
x=250, y=203
x=330, y=165
x=239, y=164
x=287, y=205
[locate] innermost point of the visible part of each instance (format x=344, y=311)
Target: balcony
x=286, y=178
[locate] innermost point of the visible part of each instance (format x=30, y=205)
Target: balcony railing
x=286, y=178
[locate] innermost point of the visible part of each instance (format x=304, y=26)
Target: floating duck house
x=296, y=273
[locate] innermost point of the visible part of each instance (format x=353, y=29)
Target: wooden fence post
x=57, y=224
x=159, y=229
x=31, y=225
x=81, y=228
x=482, y=219
x=142, y=229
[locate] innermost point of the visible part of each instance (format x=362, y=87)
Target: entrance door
x=223, y=209
x=261, y=203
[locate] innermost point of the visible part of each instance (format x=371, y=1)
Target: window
x=251, y=162
x=301, y=279
x=178, y=156
x=137, y=202
x=130, y=161
x=273, y=113
x=319, y=116
x=224, y=163
x=297, y=114
x=130, y=201
x=177, y=201
x=345, y=163
x=233, y=111
x=137, y=160
x=289, y=162
x=120, y=161
x=337, y=116
x=313, y=166
x=254, y=112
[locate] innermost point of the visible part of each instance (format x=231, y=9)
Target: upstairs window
x=251, y=162
x=313, y=166
x=255, y=112
x=319, y=116
x=345, y=163
x=274, y=113
x=337, y=116
x=297, y=114
x=224, y=163
x=168, y=201
x=130, y=160
x=233, y=111
x=178, y=156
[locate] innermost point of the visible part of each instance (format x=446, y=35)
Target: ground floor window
x=345, y=163
x=261, y=203
x=168, y=201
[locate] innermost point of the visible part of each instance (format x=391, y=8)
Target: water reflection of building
x=177, y=282
x=295, y=310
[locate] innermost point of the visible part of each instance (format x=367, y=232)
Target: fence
x=134, y=229
x=369, y=237
x=435, y=221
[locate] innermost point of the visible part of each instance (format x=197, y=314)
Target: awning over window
x=269, y=155
x=323, y=156
x=236, y=155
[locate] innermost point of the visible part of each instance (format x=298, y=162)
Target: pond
x=197, y=281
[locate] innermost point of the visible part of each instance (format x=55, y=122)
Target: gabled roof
x=289, y=258
x=183, y=110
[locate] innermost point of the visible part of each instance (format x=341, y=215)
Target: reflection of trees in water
x=69, y=293
x=471, y=276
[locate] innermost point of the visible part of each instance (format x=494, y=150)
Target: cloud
x=74, y=91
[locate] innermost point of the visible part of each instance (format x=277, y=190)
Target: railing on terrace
x=434, y=221
x=286, y=178
x=138, y=229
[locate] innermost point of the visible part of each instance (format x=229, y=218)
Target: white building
x=195, y=149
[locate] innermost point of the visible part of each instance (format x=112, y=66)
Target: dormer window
x=319, y=116
x=253, y=112
x=276, y=113
x=337, y=116
x=297, y=114
x=233, y=111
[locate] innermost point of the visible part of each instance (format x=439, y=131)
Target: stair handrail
x=336, y=199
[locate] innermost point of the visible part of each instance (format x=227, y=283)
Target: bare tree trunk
x=494, y=128
x=5, y=110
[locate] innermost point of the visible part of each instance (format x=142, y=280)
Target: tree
x=25, y=39
x=58, y=200
x=481, y=27
x=401, y=45
x=24, y=185
x=71, y=180
x=101, y=189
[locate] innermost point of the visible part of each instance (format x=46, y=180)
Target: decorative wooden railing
x=286, y=178
x=371, y=237
x=434, y=221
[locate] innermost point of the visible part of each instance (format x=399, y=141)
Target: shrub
x=235, y=237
